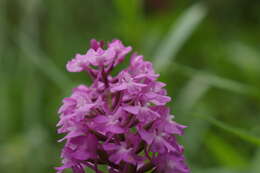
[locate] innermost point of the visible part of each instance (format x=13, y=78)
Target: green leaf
x=234, y=130
x=178, y=35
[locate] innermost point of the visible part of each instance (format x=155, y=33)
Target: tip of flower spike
x=77, y=64
x=97, y=56
x=118, y=117
x=94, y=44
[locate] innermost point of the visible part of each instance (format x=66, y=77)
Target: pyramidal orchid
x=120, y=121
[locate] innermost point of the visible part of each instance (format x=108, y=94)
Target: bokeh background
x=208, y=53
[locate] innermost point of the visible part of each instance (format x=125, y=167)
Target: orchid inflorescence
x=120, y=121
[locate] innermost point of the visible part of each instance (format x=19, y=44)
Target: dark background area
x=207, y=52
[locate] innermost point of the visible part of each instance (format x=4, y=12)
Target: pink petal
x=132, y=109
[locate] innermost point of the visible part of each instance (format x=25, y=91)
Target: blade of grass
x=191, y=94
x=245, y=57
x=226, y=154
x=33, y=135
x=215, y=170
x=3, y=27
x=32, y=99
x=32, y=87
x=5, y=108
x=4, y=79
x=242, y=134
x=255, y=163
x=150, y=40
x=194, y=90
x=178, y=35
x=194, y=135
x=43, y=63
x=220, y=82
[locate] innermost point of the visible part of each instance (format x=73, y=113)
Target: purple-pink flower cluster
x=120, y=121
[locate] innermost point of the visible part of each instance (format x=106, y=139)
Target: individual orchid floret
x=98, y=57
x=127, y=82
x=120, y=121
x=170, y=163
x=93, y=57
x=120, y=152
x=141, y=69
x=94, y=44
x=120, y=49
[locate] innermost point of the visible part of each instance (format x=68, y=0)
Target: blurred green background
x=207, y=52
